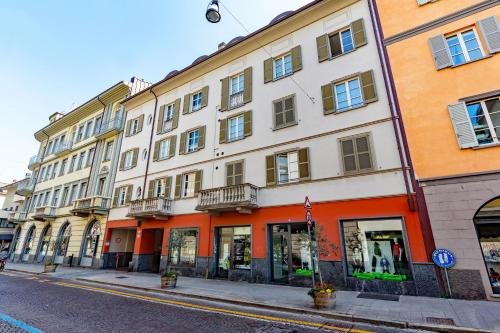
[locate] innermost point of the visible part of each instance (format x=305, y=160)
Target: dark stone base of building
x=466, y=284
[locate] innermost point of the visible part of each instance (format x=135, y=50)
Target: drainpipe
x=388, y=77
x=150, y=142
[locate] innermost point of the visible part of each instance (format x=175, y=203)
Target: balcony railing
x=34, y=162
x=91, y=205
x=159, y=208
x=236, y=100
x=110, y=128
x=63, y=147
x=25, y=187
x=242, y=198
x=44, y=213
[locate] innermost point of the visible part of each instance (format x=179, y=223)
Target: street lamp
x=212, y=14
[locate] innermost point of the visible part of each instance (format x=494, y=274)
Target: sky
x=57, y=54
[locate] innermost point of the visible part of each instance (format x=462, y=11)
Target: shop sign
x=443, y=258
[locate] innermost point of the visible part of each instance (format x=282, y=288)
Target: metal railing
x=26, y=186
x=150, y=206
x=63, y=146
x=236, y=100
x=34, y=160
x=229, y=196
x=110, y=125
x=45, y=211
x=95, y=202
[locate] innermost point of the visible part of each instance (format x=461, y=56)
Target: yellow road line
x=208, y=308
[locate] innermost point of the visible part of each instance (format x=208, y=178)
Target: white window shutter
x=440, y=52
x=462, y=125
x=491, y=33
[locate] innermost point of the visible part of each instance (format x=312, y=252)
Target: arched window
x=44, y=243
x=28, y=243
x=61, y=246
x=91, y=240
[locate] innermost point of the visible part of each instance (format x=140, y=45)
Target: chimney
x=221, y=45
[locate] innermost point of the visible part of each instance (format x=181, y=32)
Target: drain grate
x=440, y=321
x=381, y=297
x=122, y=277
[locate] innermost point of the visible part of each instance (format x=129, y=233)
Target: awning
x=6, y=237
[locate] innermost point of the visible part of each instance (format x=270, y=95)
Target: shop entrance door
x=281, y=262
x=155, y=263
x=233, y=250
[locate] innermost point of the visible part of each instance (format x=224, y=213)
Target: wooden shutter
x=247, y=92
x=171, y=150
x=187, y=101
x=140, y=123
x=462, y=125
x=268, y=70
x=368, y=86
x=358, y=32
x=175, y=117
x=182, y=143
x=168, y=186
x=129, y=125
x=279, y=114
x=230, y=174
x=201, y=137
x=135, y=155
x=178, y=180
x=159, y=127
x=128, y=196
x=296, y=58
x=247, y=123
x=270, y=170
x=440, y=52
x=223, y=130
x=328, y=98
x=335, y=44
x=323, y=49
x=304, y=173
x=156, y=151
x=224, y=98
x=197, y=181
x=151, y=189
x=115, y=197
x=122, y=161
x=204, y=96
x=490, y=30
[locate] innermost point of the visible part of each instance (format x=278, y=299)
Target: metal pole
x=311, y=253
x=448, y=281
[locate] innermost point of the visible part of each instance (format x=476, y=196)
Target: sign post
x=308, y=206
x=445, y=259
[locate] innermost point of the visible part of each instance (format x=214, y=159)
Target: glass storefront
x=182, y=247
x=28, y=243
x=376, y=249
x=92, y=240
x=234, y=249
x=44, y=243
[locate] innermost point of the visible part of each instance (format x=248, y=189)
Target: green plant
x=321, y=288
x=170, y=274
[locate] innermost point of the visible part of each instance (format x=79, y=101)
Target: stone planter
x=168, y=282
x=49, y=268
x=324, y=300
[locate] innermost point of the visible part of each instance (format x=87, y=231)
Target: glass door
x=281, y=263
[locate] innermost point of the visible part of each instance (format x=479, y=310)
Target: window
x=196, y=101
x=42, y=174
x=234, y=249
x=48, y=151
x=72, y=164
x=64, y=197
x=83, y=190
x=237, y=87
x=182, y=247
x=341, y=42
x=63, y=167
x=134, y=126
x=79, y=136
x=283, y=66
x=122, y=196
x=54, y=170
x=356, y=154
x=485, y=118
x=376, y=249
x=288, y=167
x=56, y=145
x=234, y=173
x=348, y=94
x=97, y=127
x=138, y=193
x=236, y=128
x=108, y=151
x=55, y=198
x=88, y=129
x=464, y=47
x=48, y=175
x=73, y=194
x=90, y=157
x=128, y=159
x=80, y=160
x=168, y=116
x=46, y=198
x=100, y=185
x=188, y=184
x=158, y=188
x=284, y=112
x=192, y=144
x=164, y=149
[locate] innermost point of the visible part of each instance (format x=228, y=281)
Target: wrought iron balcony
x=158, y=208
x=236, y=100
x=110, y=128
x=241, y=198
x=25, y=188
x=44, y=213
x=63, y=147
x=92, y=205
x=34, y=162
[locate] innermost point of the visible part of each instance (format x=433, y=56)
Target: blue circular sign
x=443, y=258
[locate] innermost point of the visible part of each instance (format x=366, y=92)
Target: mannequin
x=397, y=254
x=357, y=260
x=377, y=255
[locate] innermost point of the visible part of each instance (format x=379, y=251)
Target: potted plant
x=323, y=295
x=50, y=264
x=169, y=280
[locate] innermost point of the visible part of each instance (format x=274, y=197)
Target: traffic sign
x=443, y=258
x=307, y=203
x=309, y=217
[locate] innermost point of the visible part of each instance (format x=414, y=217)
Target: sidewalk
x=406, y=312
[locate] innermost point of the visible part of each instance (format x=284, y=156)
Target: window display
x=489, y=238
x=234, y=249
x=182, y=246
x=375, y=249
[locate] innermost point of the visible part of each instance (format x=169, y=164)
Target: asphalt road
x=51, y=305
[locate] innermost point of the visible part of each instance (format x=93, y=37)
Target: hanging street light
x=213, y=14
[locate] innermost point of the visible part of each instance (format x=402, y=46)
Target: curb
x=330, y=315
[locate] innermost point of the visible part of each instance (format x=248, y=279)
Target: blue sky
x=56, y=54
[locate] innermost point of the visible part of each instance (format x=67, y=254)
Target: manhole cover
x=440, y=321
x=122, y=277
x=381, y=297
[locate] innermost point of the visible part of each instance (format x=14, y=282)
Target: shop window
x=376, y=249
x=234, y=249
x=182, y=247
x=92, y=240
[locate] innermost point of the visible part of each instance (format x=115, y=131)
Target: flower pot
x=49, y=268
x=168, y=282
x=324, y=300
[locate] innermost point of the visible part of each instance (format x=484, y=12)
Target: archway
x=62, y=242
x=43, y=247
x=15, y=240
x=28, y=243
x=90, y=243
x=487, y=222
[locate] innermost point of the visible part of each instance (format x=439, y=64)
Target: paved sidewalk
x=409, y=309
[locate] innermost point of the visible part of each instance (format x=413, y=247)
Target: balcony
x=34, y=162
x=157, y=208
x=98, y=205
x=63, y=147
x=241, y=198
x=17, y=217
x=236, y=100
x=25, y=188
x=110, y=128
x=44, y=213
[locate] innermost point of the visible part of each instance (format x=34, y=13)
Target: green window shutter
x=247, y=92
x=490, y=29
x=127, y=130
x=197, y=181
x=230, y=174
x=268, y=70
x=304, y=173
x=270, y=170
x=247, y=123
x=156, y=151
x=462, y=125
x=140, y=123
x=335, y=44
x=223, y=131
x=204, y=96
x=129, y=194
x=296, y=58
x=173, y=141
x=115, y=197
x=201, y=137
x=368, y=86
x=323, y=49
x=187, y=101
x=224, y=99
x=122, y=161
x=279, y=109
x=178, y=180
x=175, y=117
x=151, y=189
x=135, y=156
x=159, y=127
x=182, y=143
x=168, y=186
x=358, y=32
x=440, y=52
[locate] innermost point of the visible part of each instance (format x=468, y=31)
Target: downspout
x=95, y=153
x=150, y=142
x=421, y=204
